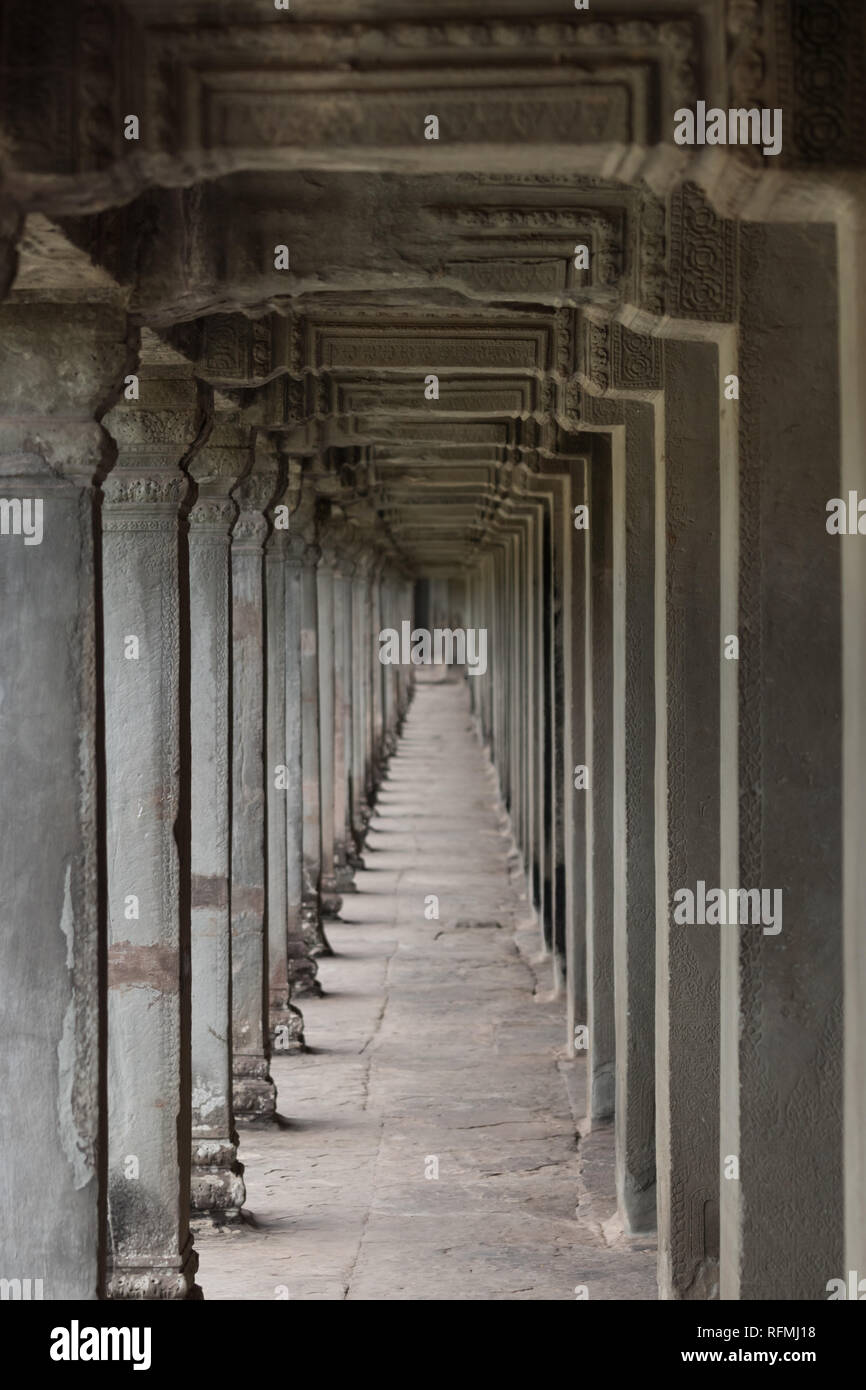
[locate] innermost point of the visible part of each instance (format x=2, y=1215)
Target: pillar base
x=145, y=1279
x=287, y=1027
x=303, y=978
x=344, y=876
x=312, y=912
x=331, y=904
x=217, y=1188
x=302, y=968
x=254, y=1094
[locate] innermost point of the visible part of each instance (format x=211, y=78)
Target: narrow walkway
x=428, y=1148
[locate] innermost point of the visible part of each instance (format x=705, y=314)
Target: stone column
x=407, y=608
x=361, y=652
x=52, y=453
x=633, y=462
x=331, y=902
x=300, y=556
x=282, y=772
x=782, y=982
x=217, y=1184
x=484, y=619
x=518, y=816
x=535, y=647
x=376, y=678
x=552, y=487
x=579, y=756
x=390, y=704
x=688, y=657
x=506, y=643
x=493, y=685
x=472, y=621
x=146, y=684
x=254, y=1091
x=599, y=911
x=306, y=529
x=342, y=659
x=385, y=621
x=851, y=298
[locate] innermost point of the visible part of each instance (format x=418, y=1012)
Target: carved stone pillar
x=783, y=987
x=254, y=1091
x=633, y=462
x=687, y=812
x=217, y=1185
x=343, y=845
x=362, y=644
x=282, y=775
x=390, y=619
x=328, y=734
x=52, y=453
x=306, y=529
x=377, y=675
x=601, y=1054
x=145, y=669
x=304, y=931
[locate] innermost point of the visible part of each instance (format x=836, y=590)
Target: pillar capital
x=330, y=543
x=153, y=436
x=304, y=549
x=285, y=498
x=216, y=470
x=256, y=495
x=364, y=561
x=49, y=435
x=300, y=554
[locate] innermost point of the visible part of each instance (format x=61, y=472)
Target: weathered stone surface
x=145, y=666
x=52, y=452
x=433, y=1048
x=552, y=377
x=254, y=1092
x=217, y=1188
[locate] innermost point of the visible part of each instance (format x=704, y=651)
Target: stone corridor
x=437, y=1039
x=332, y=333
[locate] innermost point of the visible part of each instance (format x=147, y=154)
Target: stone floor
x=427, y=1144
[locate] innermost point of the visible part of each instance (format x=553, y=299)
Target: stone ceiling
x=408, y=257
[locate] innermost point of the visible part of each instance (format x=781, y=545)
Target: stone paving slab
x=435, y=1040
